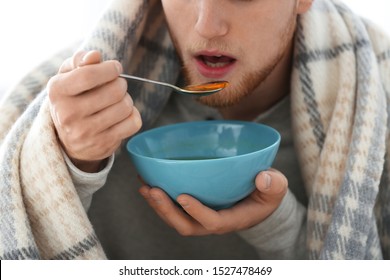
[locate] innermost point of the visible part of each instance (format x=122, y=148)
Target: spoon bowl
x=198, y=90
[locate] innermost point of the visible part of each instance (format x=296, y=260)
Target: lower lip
x=214, y=72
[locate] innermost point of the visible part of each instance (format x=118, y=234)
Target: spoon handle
x=199, y=90
x=126, y=76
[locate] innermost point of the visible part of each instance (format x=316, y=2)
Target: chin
x=240, y=87
x=223, y=99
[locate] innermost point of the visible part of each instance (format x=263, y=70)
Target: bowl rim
x=167, y=126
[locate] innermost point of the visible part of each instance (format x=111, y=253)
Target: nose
x=211, y=19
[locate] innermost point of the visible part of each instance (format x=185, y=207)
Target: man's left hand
x=198, y=219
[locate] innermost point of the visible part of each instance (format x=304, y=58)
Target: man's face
x=240, y=41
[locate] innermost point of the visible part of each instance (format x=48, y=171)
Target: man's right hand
x=91, y=109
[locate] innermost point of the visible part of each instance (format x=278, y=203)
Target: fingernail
x=267, y=181
x=118, y=67
x=143, y=193
x=84, y=59
x=156, y=198
x=183, y=203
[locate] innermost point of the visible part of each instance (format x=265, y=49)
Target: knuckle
x=53, y=88
x=66, y=118
x=77, y=135
x=81, y=132
x=128, y=132
x=90, y=147
x=75, y=60
x=118, y=90
x=138, y=125
x=283, y=187
x=106, y=145
x=129, y=105
x=83, y=141
x=122, y=84
x=137, y=119
x=132, y=125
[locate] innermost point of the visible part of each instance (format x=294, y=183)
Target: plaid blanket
x=340, y=92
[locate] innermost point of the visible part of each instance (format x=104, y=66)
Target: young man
x=317, y=202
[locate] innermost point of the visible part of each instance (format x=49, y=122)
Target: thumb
x=270, y=185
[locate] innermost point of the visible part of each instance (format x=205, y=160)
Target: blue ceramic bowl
x=214, y=161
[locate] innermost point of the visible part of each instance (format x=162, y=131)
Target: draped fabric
x=340, y=90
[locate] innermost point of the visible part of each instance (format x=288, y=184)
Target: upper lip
x=213, y=53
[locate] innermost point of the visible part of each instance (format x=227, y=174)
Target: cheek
x=180, y=33
x=179, y=15
x=260, y=49
x=254, y=54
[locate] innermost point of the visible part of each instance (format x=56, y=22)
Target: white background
x=32, y=30
x=109, y=270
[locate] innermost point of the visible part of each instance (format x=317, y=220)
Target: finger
x=72, y=62
x=98, y=130
x=100, y=98
x=242, y=215
x=145, y=191
x=86, y=144
x=83, y=135
x=91, y=57
x=126, y=128
x=85, y=78
x=89, y=103
x=174, y=215
x=73, y=120
x=270, y=185
x=94, y=75
x=210, y=219
x=96, y=100
x=110, y=116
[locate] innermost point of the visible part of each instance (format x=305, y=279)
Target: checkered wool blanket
x=340, y=100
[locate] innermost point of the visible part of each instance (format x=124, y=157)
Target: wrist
x=89, y=166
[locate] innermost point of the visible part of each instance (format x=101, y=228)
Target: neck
x=267, y=94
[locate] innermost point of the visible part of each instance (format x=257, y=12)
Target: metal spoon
x=199, y=90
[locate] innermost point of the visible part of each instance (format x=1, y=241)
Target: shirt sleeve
x=283, y=234
x=87, y=184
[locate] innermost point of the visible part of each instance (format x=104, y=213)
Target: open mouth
x=217, y=61
x=214, y=66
